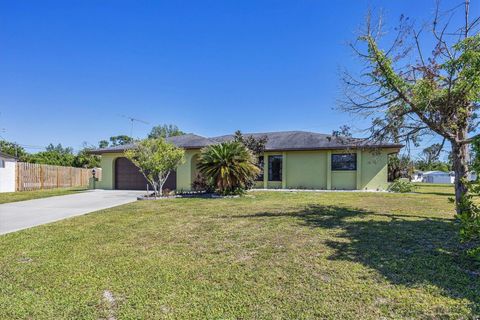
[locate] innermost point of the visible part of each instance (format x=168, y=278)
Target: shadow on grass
x=406, y=250
x=436, y=193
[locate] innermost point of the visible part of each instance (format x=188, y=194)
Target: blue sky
x=70, y=69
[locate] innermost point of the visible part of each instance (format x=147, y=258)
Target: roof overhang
x=100, y=151
x=395, y=148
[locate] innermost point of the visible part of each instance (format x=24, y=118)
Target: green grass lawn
x=268, y=255
x=438, y=189
x=29, y=195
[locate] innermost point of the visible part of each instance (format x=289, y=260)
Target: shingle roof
x=190, y=141
x=300, y=140
x=186, y=141
x=276, y=141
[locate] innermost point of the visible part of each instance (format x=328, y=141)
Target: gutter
x=382, y=146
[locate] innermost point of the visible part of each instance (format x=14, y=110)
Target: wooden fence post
x=17, y=177
x=41, y=178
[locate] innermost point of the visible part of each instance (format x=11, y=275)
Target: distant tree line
x=65, y=156
x=53, y=154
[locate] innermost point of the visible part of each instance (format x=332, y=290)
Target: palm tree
x=230, y=165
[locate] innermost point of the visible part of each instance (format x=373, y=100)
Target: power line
x=29, y=146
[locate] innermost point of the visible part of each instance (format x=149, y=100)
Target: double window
x=274, y=168
x=344, y=162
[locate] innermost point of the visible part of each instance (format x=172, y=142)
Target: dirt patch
x=109, y=305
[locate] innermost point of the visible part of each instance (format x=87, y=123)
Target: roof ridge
x=269, y=132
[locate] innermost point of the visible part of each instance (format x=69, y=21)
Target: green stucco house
x=292, y=160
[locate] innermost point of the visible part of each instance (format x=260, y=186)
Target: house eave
x=396, y=148
x=100, y=152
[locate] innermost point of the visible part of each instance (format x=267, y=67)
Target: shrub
x=402, y=186
x=167, y=192
x=156, y=158
x=469, y=217
x=230, y=166
x=200, y=183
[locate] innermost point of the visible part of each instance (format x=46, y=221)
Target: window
x=260, y=165
x=274, y=168
x=2, y=163
x=344, y=161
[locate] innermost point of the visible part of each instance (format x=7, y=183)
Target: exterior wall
x=438, y=178
x=300, y=170
x=306, y=170
x=312, y=170
x=194, y=170
x=187, y=171
x=107, y=163
x=374, y=174
x=7, y=176
x=259, y=185
x=344, y=180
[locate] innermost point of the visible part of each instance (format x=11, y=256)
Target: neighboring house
x=7, y=172
x=471, y=176
x=417, y=176
x=292, y=160
x=437, y=177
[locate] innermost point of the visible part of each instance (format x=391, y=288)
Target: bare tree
x=407, y=93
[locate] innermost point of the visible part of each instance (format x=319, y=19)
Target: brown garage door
x=128, y=177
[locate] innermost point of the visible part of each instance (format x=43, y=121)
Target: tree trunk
x=460, y=166
x=155, y=189
x=161, y=181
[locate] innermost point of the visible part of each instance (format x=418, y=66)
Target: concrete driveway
x=25, y=214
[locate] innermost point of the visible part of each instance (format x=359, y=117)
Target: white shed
x=417, y=176
x=7, y=172
x=437, y=177
x=471, y=176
